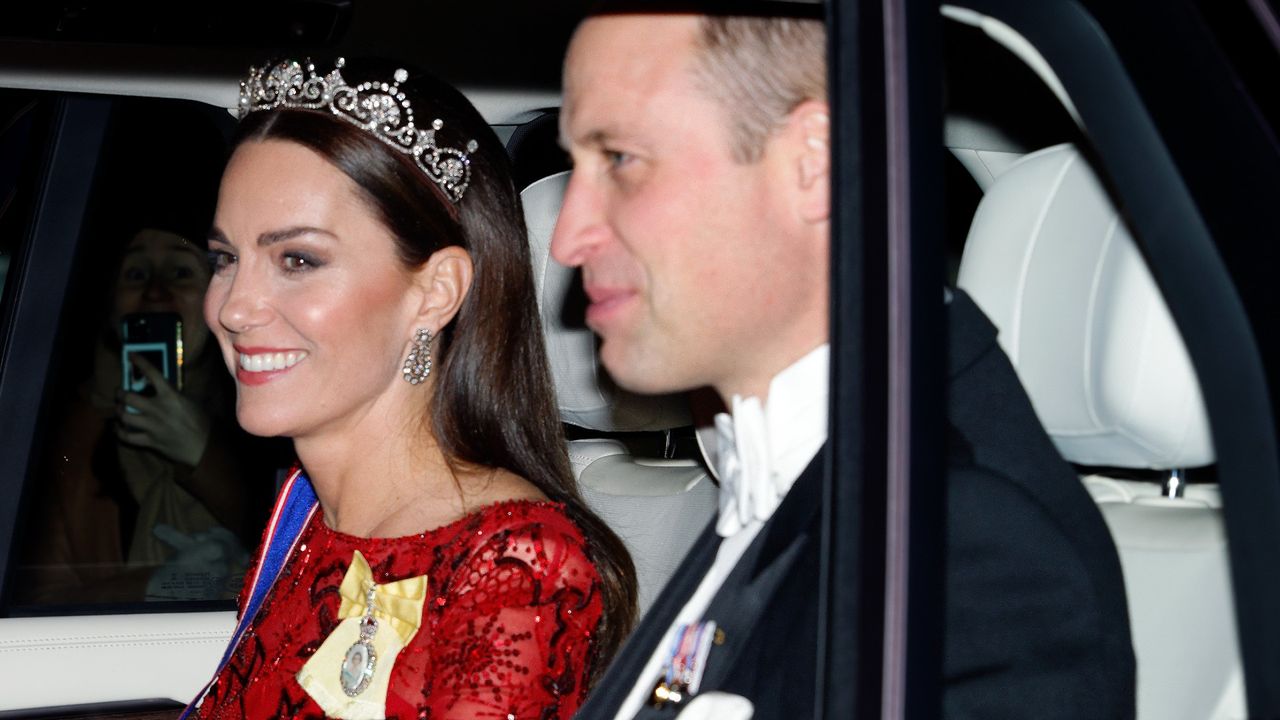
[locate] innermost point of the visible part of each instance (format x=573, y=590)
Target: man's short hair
x=759, y=69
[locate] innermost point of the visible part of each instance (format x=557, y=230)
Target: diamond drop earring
x=418, y=365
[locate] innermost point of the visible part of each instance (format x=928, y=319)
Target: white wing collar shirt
x=762, y=447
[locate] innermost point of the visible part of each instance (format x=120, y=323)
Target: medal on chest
x=349, y=673
x=686, y=662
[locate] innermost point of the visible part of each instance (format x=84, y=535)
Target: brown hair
x=494, y=401
x=759, y=69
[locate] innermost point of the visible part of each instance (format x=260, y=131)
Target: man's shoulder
x=1035, y=605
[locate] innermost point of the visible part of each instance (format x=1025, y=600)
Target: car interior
x=1035, y=236
x=1051, y=261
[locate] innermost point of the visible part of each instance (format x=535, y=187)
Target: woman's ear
x=443, y=280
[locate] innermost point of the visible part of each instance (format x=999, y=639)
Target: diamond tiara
x=379, y=109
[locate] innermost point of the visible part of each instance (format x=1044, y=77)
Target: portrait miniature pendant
x=349, y=674
x=360, y=662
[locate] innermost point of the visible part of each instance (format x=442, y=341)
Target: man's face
x=684, y=250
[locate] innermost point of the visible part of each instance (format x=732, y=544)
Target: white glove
x=200, y=567
x=718, y=706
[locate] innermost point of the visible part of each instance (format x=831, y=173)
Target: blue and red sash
x=294, y=507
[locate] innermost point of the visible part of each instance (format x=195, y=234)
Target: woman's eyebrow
x=274, y=236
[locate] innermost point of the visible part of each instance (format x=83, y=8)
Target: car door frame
x=880, y=609
x=39, y=279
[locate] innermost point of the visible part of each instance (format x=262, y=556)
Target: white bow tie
x=748, y=490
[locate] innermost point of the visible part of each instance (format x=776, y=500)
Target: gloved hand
x=201, y=567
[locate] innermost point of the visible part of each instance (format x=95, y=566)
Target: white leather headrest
x=1051, y=262
x=586, y=395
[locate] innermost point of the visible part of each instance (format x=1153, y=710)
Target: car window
x=140, y=486
x=18, y=151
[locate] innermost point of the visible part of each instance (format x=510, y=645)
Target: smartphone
x=157, y=337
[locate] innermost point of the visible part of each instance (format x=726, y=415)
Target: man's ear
x=443, y=281
x=809, y=126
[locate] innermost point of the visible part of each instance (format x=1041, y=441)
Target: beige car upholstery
x=1051, y=261
x=657, y=506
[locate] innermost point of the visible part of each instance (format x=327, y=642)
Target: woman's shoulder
x=537, y=535
x=512, y=505
x=543, y=525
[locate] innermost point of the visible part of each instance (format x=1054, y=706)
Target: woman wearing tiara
x=372, y=294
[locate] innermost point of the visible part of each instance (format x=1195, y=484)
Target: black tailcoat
x=1036, y=622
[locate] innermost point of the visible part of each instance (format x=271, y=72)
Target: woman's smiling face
x=311, y=305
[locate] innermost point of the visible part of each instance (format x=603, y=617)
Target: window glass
x=18, y=165
x=1248, y=33
x=143, y=488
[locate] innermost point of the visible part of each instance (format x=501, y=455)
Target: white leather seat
x=1051, y=262
x=657, y=506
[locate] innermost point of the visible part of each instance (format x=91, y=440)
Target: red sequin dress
x=512, y=602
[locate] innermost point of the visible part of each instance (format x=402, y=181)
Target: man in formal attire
x=698, y=211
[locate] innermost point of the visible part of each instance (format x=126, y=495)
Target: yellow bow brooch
x=348, y=675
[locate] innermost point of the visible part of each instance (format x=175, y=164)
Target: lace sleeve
x=514, y=636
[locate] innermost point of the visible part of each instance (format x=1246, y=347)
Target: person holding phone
x=151, y=493
x=373, y=296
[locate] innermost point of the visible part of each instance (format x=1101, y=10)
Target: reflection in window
x=144, y=488
x=17, y=144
